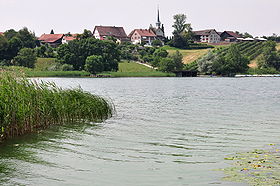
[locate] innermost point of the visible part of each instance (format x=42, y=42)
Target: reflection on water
x=167, y=131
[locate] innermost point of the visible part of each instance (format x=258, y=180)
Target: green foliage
x=85, y=35
x=67, y=67
x=234, y=62
x=179, y=41
x=45, y=51
x=191, y=66
x=161, y=53
x=128, y=51
x=27, y=106
x=27, y=38
x=3, y=47
x=94, y=64
x=180, y=24
x=182, y=34
x=223, y=57
x=270, y=57
x=172, y=63
x=26, y=58
x=156, y=43
x=177, y=58
x=205, y=64
x=76, y=52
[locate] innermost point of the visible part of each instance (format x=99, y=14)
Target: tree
x=156, y=43
x=161, y=53
x=26, y=57
x=234, y=62
x=270, y=58
x=27, y=38
x=9, y=34
x=177, y=58
x=52, y=32
x=94, y=64
x=182, y=34
x=86, y=34
x=205, y=64
x=172, y=63
x=3, y=47
x=76, y=52
x=180, y=24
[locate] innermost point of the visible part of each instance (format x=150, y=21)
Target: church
x=159, y=29
x=147, y=36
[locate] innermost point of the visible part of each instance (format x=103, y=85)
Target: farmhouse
x=54, y=40
x=207, y=36
x=230, y=36
x=103, y=32
x=140, y=36
x=67, y=38
x=2, y=33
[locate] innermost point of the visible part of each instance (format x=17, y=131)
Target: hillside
x=278, y=46
x=189, y=56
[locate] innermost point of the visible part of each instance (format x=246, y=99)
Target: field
x=278, y=46
x=126, y=69
x=43, y=64
x=189, y=56
x=132, y=69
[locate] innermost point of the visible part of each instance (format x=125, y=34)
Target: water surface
x=167, y=131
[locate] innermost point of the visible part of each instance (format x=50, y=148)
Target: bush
x=94, y=64
x=157, y=43
x=26, y=58
x=67, y=67
x=161, y=53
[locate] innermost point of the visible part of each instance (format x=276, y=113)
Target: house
x=67, y=38
x=54, y=40
x=207, y=36
x=2, y=33
x=230, y=36
x=103, y=32
x=140, y=36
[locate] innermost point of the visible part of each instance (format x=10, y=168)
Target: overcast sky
x=258, y=17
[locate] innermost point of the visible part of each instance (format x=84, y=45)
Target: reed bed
x=26, y=106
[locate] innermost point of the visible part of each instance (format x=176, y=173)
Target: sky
x=258, y=17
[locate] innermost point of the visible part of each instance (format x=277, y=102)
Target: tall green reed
x=26, y=106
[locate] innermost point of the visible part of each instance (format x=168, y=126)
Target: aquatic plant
x=26, y=106
x=259, y=167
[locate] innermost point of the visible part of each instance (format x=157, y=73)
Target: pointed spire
x=158, y=20
x=158, y=24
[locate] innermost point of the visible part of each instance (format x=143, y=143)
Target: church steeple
x=158, y=24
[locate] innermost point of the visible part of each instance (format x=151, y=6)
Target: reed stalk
x=26, y=106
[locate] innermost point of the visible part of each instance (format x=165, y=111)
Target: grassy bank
x=132, y=69
x=189, y=56
x=27, y=106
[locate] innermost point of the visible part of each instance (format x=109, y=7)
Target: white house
x=138, y=36
x=207, y=36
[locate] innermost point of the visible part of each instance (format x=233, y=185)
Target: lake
x=166, y=131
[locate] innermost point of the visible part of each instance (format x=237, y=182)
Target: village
x=146, y=36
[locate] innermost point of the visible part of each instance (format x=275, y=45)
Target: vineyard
x=247, y=49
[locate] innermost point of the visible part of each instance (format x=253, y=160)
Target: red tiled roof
x=69, y=38
x=113, y=31
x=50, y=38
x=143, y=33
x=2, y=33
x=233, y=34
x=203, y=32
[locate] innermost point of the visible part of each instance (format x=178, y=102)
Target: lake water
x=166, y=131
